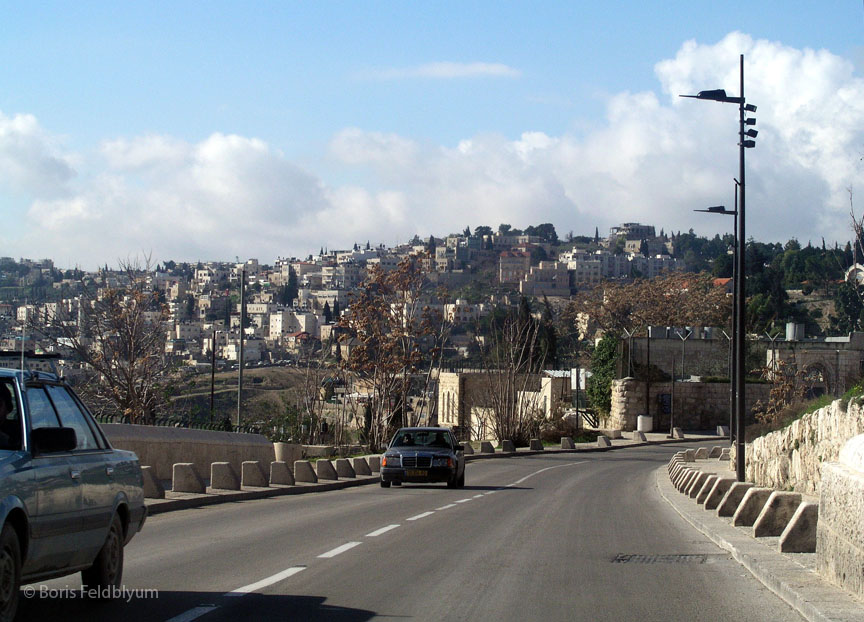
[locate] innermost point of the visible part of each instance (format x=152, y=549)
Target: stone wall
x=791, y=458
x=696, y=405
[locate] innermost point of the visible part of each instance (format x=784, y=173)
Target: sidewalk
x=791, y=576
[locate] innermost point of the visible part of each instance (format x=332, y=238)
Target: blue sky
x=183, y=128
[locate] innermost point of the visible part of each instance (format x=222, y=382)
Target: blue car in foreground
x=69, y=502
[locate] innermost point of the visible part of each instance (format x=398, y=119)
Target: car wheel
x=10, y=572
x=107, y=570
x=452, y=482
x=385, y=484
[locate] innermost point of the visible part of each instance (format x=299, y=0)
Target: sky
x=192, y=131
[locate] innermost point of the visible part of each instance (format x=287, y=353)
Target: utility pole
x=242, y=317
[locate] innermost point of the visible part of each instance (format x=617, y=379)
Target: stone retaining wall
x=697, y=405
x=791, y=458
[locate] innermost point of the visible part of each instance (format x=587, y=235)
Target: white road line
x=478, y=496
x=446, y=507
x=519, y=481
x=279, y=576
x=339, y=549
x=463, y=500
x=193, y=614
x=378, y=532
x=419, y=516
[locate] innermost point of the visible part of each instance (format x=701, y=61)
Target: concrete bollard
x=682, y=475
x=702, y=453
x=724, y=454
x=344, y=468
x=715, y=451
x=361, y=467
x=185, y=478
x=486, y=447
x=707, y=485
x=778, y=511
x=374, y=463
x=697, y=483
x=508, y=446
x=677, y=433
x=687, y=480
x=325, y=470
x=567, y=443
x=722, y=430
x=252, y=474
x=535, y=444
x=467, y=449
x=223, y=476
x=690, y=455
x=153, y=488
x=679, y=474
x=303, y=472
x=603, y=441
x=280, y=474
x=640, y=437
x=715, y=495
x=800, y=534
x=751, y=506
x=732, y=499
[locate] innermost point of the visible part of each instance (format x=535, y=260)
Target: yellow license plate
x=416, y=473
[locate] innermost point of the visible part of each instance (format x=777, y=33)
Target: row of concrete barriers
x=769, y=512
x=223, y=476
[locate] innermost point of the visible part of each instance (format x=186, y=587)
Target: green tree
x=604, y=363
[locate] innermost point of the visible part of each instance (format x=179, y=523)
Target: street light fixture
x=744, y=143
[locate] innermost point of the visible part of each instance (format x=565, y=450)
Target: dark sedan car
x=423, y=455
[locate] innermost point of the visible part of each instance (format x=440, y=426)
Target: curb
x=802, y=589
x=192, y=500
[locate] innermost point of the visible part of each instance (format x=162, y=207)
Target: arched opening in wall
x=816, y=381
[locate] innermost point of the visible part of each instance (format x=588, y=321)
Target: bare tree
x=120, y=335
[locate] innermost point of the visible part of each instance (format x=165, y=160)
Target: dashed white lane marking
x=193, y=614
x=519, y=481
x=378, y=532
x=478, y=496
x=279, y=576
x=446, y=507
x=339, y=550
x=463, y=500
x=419, y=516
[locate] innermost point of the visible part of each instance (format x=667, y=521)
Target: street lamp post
x=744, y=143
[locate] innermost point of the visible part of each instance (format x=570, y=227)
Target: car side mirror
x=50, y=440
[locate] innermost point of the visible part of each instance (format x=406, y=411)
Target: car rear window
x=421, y=438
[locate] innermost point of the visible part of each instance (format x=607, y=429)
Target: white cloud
x=445, y=71
x=653, y=158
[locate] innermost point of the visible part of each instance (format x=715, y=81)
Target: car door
x=56, y=523
x=90, y=460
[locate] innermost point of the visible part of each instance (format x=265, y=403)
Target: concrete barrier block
x=153, y=488
x=800, y=534
x=280, y=473
x=732, y=499
x=725, y=453
x=717, y=492
x=707, y=485
x=223, y=476
x=702, y=453
x=252, y=474
x=603, y=441
x=508, y=446
x=288, y=452
x=303, y=472
x=374, y=463
x=722, y=430
x=778, y=511
x=467, y=448
x=685, y=480
x=679, y=474
x=535, y=444
x=344, y=468
x=325, y=470
x=613, y=434
x=486, y=447
x=640, y=437
x=361, y=467
x=690, y=455
x=685, y=473
x=715, y=451
x=697, y=483
x=567, y=443
x=319, y=451
x=677, y=433
x=751, y=506
x=676, y=470
x=185, y=478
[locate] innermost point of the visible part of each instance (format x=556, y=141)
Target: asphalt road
x=550, y=537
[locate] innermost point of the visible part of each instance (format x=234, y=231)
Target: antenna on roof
x=23, y=339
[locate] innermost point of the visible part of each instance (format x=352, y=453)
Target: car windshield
x=420, y=438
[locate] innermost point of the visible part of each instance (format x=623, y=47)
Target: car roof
x=424, y=428
x=6, y=372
